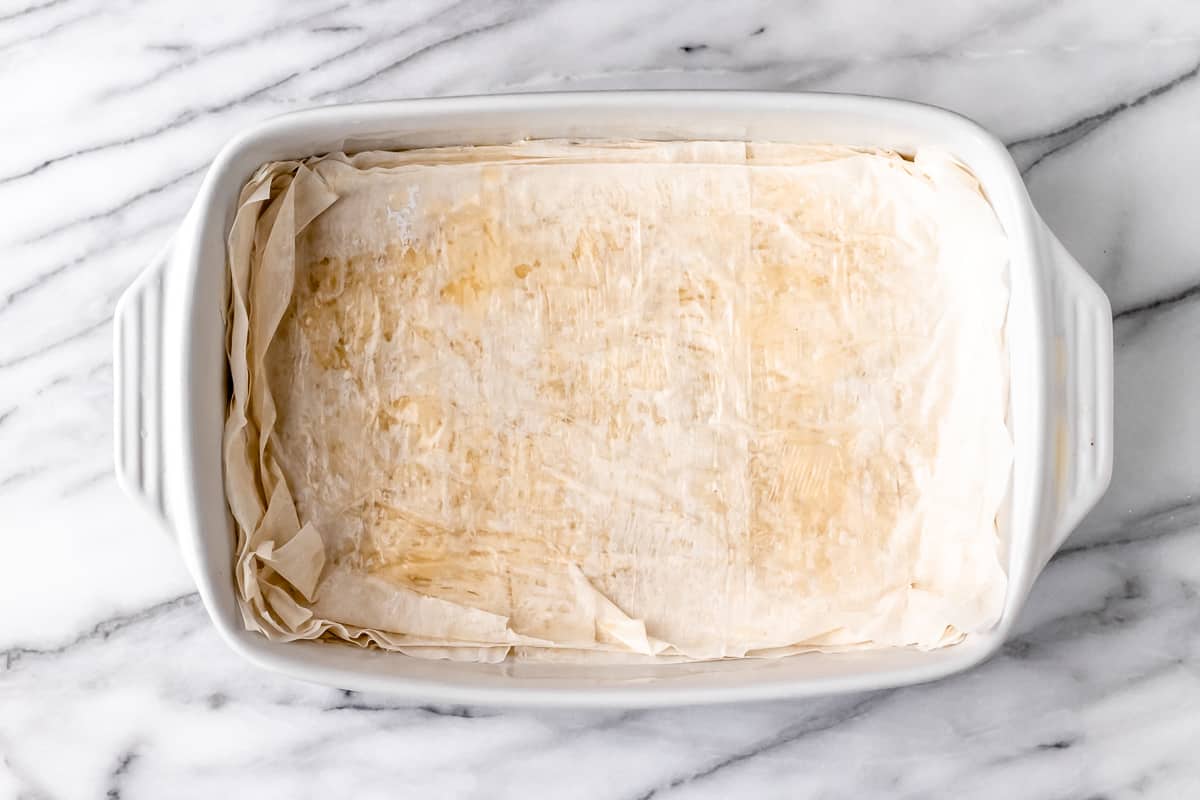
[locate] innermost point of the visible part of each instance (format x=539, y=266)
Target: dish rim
x=182, y=504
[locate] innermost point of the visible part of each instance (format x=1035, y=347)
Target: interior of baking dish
x=195, y=393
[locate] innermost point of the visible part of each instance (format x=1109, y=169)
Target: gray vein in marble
x=46, y=33
x=86, y=482
x=1132, y=323
x=157, y=188
x=1166, y=520
x=351, y=702
x=22, y=474
x=166, y=47
x=87, y=256
x=196, y=56
x=117, y=776
x=384, y=37
x=1129, y=603
x=259, y=37
x=1008, y=17
x=564, y=737
x=188, y=116
x=15, y=656
x=424, y=50
x=1113, y=610
x=847, y=711
x=54, y=344
x=180, y=120
x=807, y=76
x=31, y=9
x=1058, y=140
x=29, y=790
x=1183, y=296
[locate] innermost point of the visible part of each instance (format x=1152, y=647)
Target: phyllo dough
x=618, y=400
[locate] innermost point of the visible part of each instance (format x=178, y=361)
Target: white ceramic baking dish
x=171, y=381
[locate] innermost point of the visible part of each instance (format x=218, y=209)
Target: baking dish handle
x=137, y=388
x=1083, y=391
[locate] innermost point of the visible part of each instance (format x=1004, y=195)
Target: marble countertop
x=112, y=680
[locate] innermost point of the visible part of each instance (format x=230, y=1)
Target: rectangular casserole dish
x=171, y=381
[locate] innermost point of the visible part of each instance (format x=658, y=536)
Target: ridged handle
x=137, y=388
x=1083, y=391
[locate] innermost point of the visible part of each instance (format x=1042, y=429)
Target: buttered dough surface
x=618, y=400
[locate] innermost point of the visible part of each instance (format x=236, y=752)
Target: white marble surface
x=112, y=681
